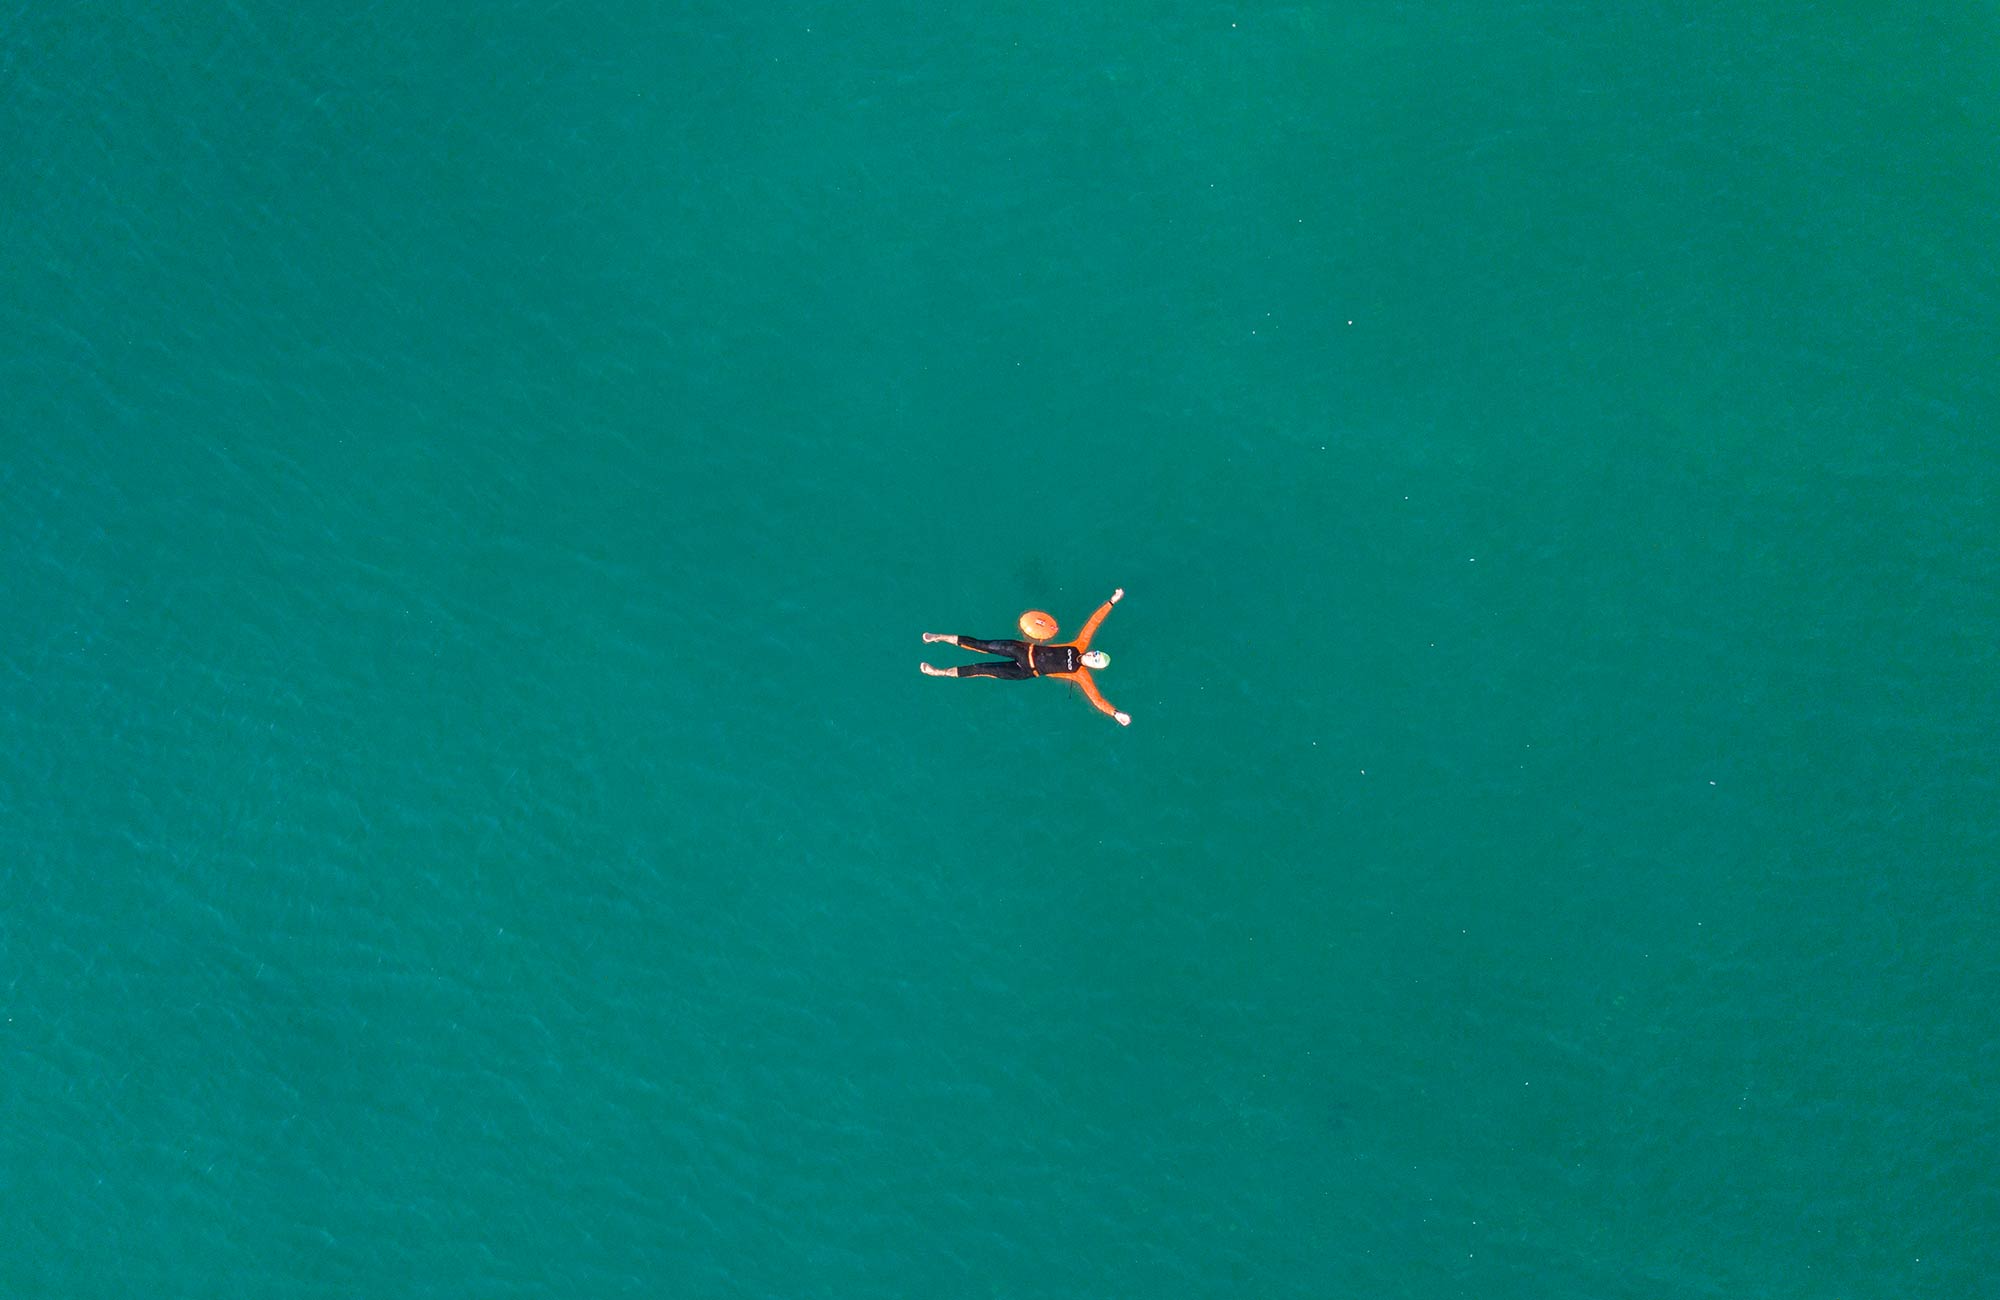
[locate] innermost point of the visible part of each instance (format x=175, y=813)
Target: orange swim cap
x=1037, y=626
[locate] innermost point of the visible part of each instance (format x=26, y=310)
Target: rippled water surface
x=472, y=481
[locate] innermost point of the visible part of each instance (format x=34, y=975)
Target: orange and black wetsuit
x=1029, y=659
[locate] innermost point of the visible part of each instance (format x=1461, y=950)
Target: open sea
x=473, y=477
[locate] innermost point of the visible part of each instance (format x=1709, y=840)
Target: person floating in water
x=1070, y=661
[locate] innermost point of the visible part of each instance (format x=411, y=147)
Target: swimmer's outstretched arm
x=1082, y=642
x=1082, y=678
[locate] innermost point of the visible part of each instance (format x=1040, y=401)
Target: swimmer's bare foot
x=1118, y=595
x=938, y=672
x=945, y=637
x=1124, y=719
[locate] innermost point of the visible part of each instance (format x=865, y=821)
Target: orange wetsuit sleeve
x=1082, y=642
x=1082, y=678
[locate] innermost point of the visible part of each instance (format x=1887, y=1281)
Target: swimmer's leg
x=1015, y=650
x=1007, y=671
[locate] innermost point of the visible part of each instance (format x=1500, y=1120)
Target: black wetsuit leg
x=1016, y=652
x=1006, y=670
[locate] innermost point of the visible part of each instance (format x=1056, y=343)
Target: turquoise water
x=472, y=484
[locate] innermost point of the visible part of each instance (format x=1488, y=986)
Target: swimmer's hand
x=1124, y=719
x=1118, y=595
